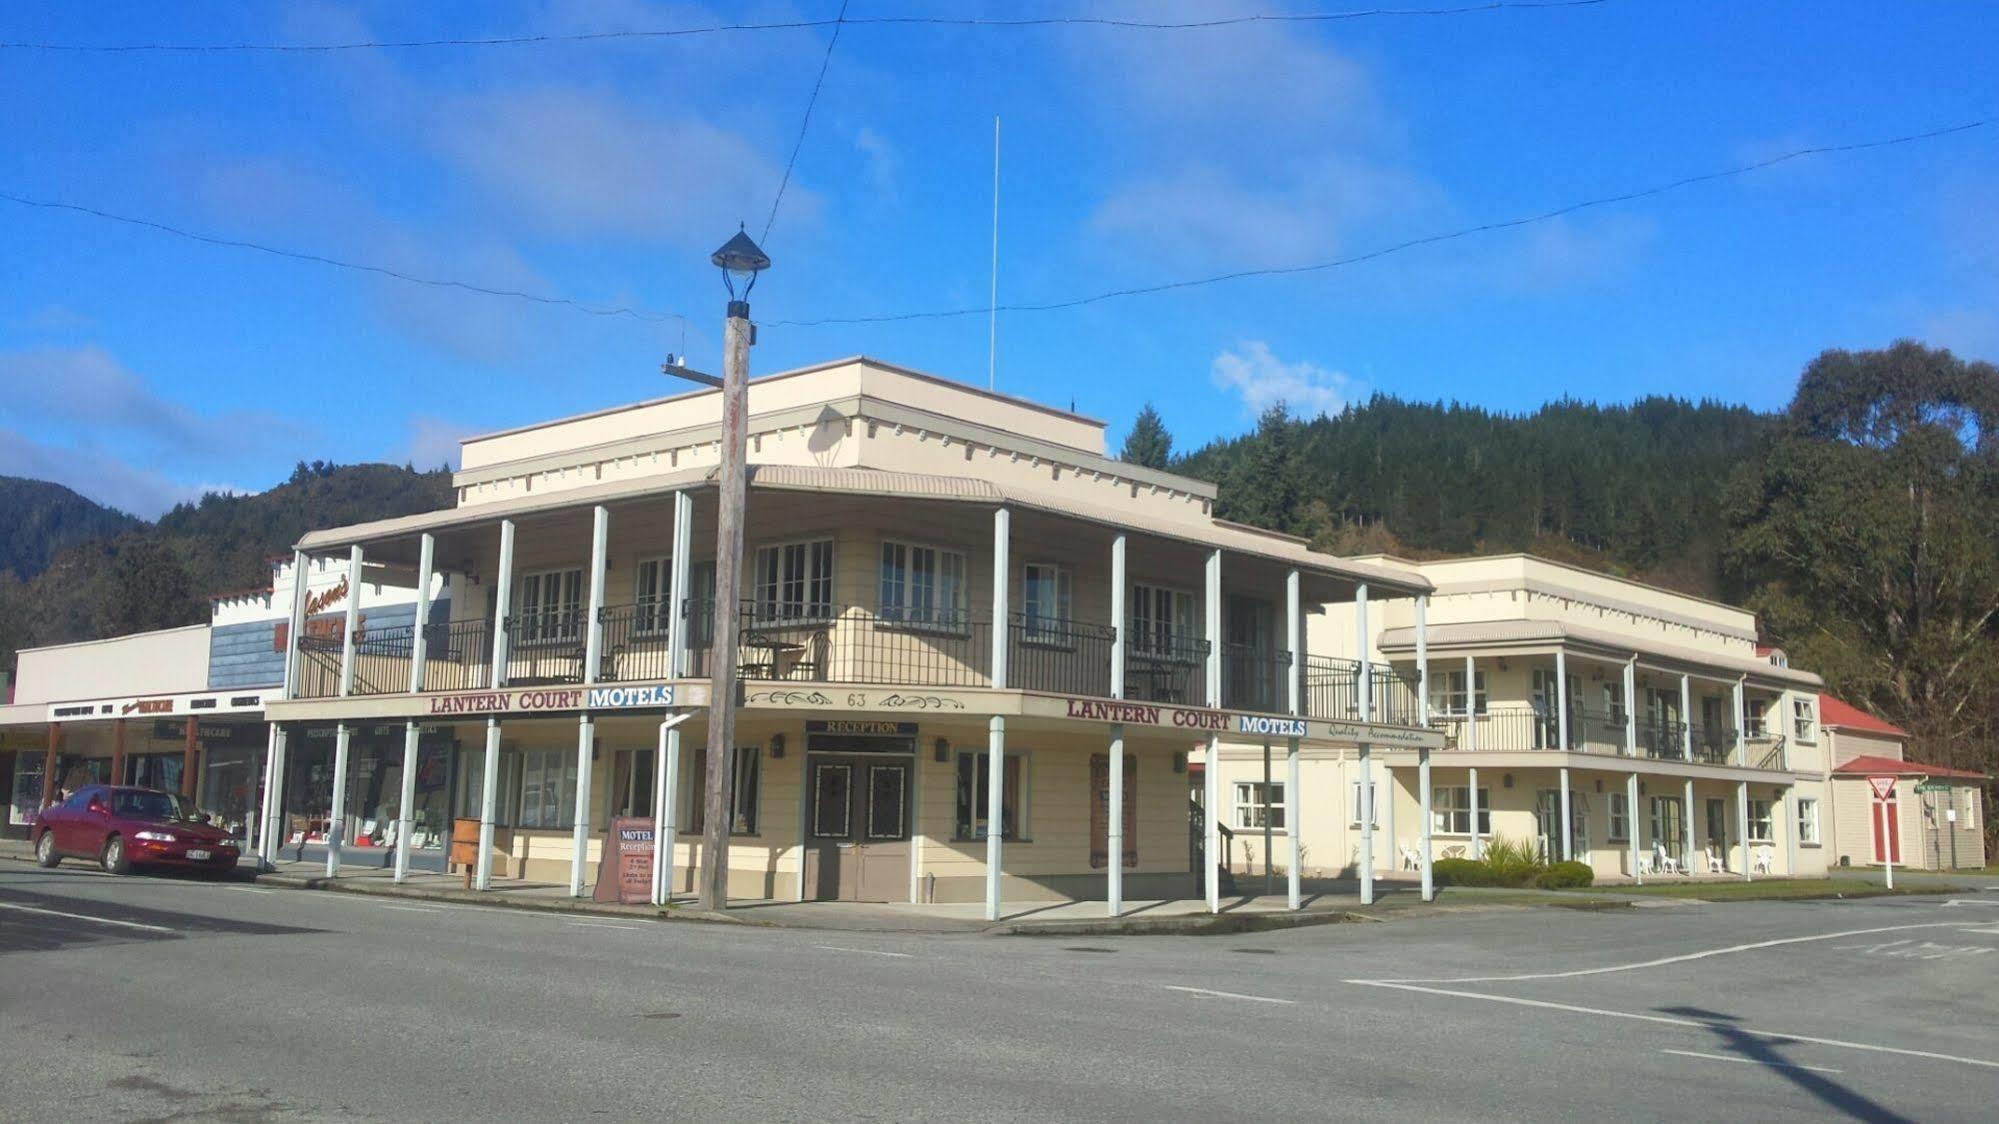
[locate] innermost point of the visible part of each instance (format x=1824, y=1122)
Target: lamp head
x=740, y=260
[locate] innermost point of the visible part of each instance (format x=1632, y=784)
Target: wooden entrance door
x=1894, y=850
x=857, y=828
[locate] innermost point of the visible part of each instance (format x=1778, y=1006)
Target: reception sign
x=624, y=868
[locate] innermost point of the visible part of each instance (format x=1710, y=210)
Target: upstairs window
x=1804, y=721
x=794, y=581
x=551, y=607
x=1164, y=622
x=1046, y=592
x=1447, y=693
x=923, y=585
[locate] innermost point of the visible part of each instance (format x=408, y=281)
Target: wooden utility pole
x=721, y=757
x=187, y=760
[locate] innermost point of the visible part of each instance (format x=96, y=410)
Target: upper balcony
x=879, y=590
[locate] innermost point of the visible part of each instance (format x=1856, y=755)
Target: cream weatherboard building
x=936, y=576
x=1648, y=722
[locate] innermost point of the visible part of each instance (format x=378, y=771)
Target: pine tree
x=1148, y=443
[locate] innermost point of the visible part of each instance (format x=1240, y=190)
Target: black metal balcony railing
x=1255, y=679
x=1060, y=657
x=1660, y=738
x=1169, y=669
x=457, y=656
x=1331, y=689
x=1714, y=745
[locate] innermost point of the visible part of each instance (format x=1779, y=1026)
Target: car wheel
x=114, y=858
x=45, y=849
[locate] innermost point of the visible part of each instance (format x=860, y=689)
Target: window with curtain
x=1620, y=818
x=744, y=798
x=922, y=585
x=1164, y=622
x=973, y=790
x=1045, y=595
x=548, y=788
x=794, y=581
x=1447, y=692
x=1808, y=821
x=550, y=610
x=1760, y=827
x=1450, y=811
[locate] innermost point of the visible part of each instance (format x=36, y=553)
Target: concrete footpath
x=1325, y=903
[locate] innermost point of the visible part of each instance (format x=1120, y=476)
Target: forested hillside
x=1862, y=523
x=41, y=520
x=144, y=576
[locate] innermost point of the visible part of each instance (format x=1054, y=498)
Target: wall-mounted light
x=1506, y=780
x=777, y=747
x=1599, y=784
x=1179, y=762
x=942, y=752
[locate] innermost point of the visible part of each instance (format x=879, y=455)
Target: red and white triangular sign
x=1884, y=787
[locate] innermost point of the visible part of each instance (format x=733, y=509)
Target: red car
x=123, y=827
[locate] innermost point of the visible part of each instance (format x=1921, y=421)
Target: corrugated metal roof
x=1551, y=632
x=1845, y=716
x=879, y=482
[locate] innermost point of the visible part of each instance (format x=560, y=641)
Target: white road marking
x=1668, y=1020
x=1988, y=931
x=250, y=890
x=1968, y=901
x=865, y=951
x=1664, y=960
x=1207, y=993
x=88, y=917
x=1751, y=1061
x=603, y=925
x=411, y=908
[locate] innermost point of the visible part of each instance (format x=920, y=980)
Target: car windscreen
x=147, y=806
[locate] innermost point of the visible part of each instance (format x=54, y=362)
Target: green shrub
x=1459, y=872
x=1512, y=864
x=1566, y=876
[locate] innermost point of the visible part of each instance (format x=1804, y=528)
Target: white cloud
x=589, y=162
x=86, y=391
x=52, y=319
x=93, y=473
x=432, y=442
x=1251, y=372
x=880, y=160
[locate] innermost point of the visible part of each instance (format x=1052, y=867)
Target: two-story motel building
x=1648, y=721
x=978, y=651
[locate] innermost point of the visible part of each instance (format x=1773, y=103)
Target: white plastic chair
x=1412, y=859
x=1765, y=857
x=1714, y=863
x=1668, y=864
x=1645, y=864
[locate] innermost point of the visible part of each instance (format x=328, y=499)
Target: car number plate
x=199, y=854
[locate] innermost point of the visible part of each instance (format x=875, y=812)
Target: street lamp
x=740, y=260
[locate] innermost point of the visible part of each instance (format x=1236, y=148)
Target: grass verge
x=1769, y=889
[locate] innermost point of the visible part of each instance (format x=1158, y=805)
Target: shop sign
x=1933, y=786
x=1270, y=727
x=553, y=698
x=624, y=867
x=1147, y=714
x=1379, y=735
x=862, y=728
x=211, y=733
x=148, y=706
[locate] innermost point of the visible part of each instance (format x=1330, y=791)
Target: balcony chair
x=811, y=662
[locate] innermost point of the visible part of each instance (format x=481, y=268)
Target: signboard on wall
x=1100, y=810
x=624, y=866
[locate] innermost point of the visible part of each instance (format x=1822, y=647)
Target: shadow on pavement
x=1762, y=1048
x=36, y=921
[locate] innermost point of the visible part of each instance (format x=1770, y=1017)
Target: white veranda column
x=586, y=736
x=1742, y=825
x=665, y=813
x=1002, y=603
x=489, y=796
x=1114, y=831
x=336, y=820
x=1631, y=822
x=995, y=811
x=503, y=594
x=1631, y=712
x=1741, y=720
x=1568, y=833
x=1687, y=728
x=274, y=796
x=1366, y=862
x=1790, y=829
x=1424, y=814
x=1471, y=705
x=1687, y=828
x=1477, y=845
x=1211, y=824
x=1561, y=700
x=1294, y=828
x=412, y=732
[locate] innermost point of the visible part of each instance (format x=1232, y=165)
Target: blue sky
x=141, y=369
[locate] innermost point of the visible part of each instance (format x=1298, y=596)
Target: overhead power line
x=831, y=42
x=1412, y=243
x=797, y=25
x=360, y=267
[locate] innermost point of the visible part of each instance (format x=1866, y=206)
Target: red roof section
x=1888, y=766
x=1846, y=716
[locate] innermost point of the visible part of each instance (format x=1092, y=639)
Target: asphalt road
x=154, y=999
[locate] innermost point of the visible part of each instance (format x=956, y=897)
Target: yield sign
x=1884, y=787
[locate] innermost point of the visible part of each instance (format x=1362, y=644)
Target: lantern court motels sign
x=553, y=698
